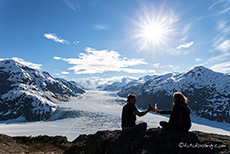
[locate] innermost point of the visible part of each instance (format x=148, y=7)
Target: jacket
x=179, y=116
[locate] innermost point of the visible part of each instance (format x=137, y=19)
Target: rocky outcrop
x=33, y=145
x=152, y=141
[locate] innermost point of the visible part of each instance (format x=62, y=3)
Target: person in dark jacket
x=129, y=113
x=179, y=116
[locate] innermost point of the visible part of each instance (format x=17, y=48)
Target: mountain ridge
x=208, y=92
x=29, y=93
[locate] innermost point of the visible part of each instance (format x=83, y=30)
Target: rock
x=39, y=144
x=9, y=145
x=152, y=141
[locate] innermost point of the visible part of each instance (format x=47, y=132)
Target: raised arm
x=142, y=113
x=165, y=111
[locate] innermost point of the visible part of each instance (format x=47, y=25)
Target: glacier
x=94, y=111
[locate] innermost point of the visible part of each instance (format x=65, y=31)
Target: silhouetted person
x=179, y=116
x=129, y=113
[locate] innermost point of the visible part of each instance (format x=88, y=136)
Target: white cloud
x=152, y=71
x=22, y=61
x=173, y=18
x=198, y=59
x=174, y=67
x=217, y=41
x=215, y=3
x=29, y=64
x=55, y=38
x=175, y=51
x=57, y=58
x=156, y=65
x=221, y=25
x=186, y=45
x=224, y=8
x=224, y=46
x=101, y=61
x=57, y=74
x=72, y=5
x=171, y=66
x=76, y=42
x=64, y=72
x=186, y=28
x=222, y=67
x=100, y=27
x=183, y=39
x=219, y=58
x=224, y=11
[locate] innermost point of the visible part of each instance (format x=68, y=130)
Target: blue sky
x=104, y=38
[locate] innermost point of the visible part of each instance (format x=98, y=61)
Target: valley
x=91, y=112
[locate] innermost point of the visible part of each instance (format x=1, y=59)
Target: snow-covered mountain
x=107, y=84
x=29, y=93
x=208, y=92
x=117, y=85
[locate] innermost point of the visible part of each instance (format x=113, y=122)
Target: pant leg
x=167, y=126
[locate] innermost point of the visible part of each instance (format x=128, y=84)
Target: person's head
x=178, y=97
x=131, y=98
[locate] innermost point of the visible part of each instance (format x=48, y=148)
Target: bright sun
x=153, y=30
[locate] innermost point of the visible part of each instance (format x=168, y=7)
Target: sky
x=76, y=39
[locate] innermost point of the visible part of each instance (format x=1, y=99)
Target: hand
x=150, y=108
x=156, y=111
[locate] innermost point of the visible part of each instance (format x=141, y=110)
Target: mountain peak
x=199, y=68
x=10, y=65
x=10, y=62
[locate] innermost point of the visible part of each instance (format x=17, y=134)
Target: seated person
x=179, y=116
x=129, y=113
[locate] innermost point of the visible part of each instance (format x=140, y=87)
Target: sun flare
x=153, y=30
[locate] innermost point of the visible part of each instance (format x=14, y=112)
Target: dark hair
x=131, y=96
x=179, y=98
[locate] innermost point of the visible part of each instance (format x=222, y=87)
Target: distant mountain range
x=208, y=92
x=106, y=84
x=31, y=94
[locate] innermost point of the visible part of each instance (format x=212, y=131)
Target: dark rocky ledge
x=152, y=141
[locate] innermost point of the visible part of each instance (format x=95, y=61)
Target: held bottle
x=155, y=108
